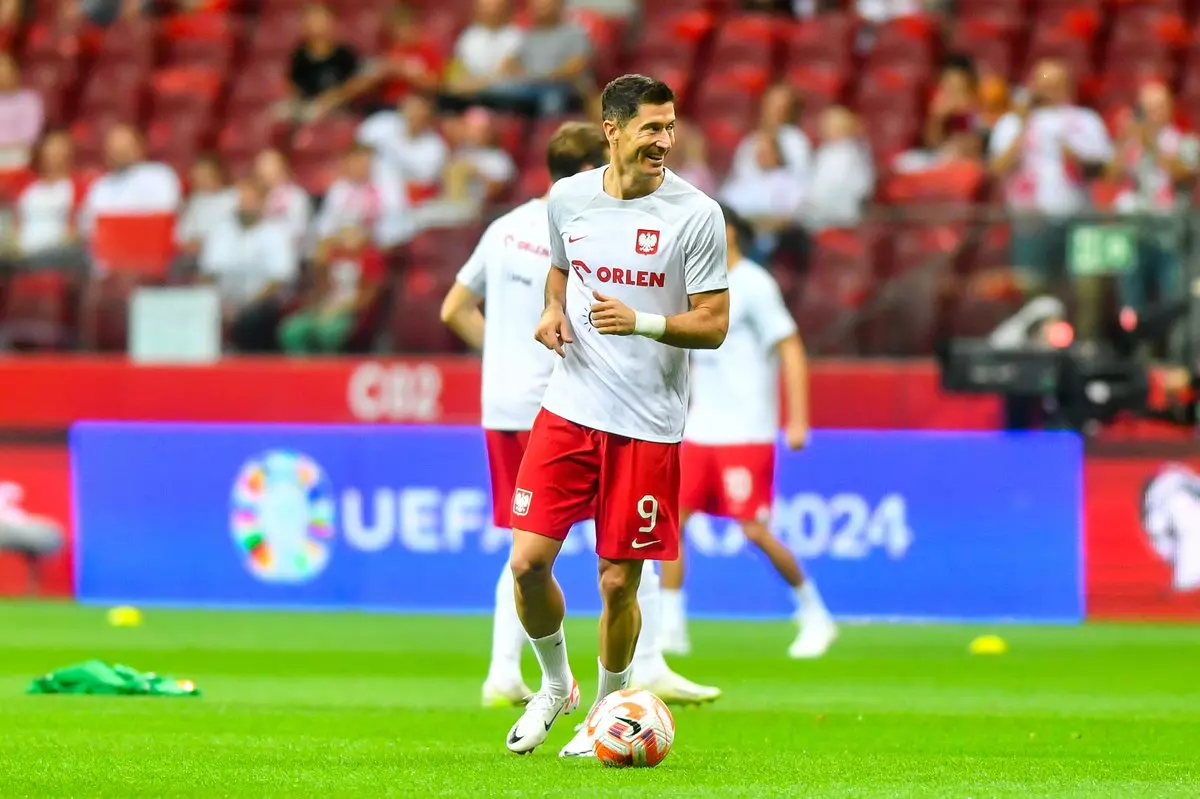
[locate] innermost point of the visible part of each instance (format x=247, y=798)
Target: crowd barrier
x=896, y=525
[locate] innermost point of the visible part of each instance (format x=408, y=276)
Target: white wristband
x=650, y=325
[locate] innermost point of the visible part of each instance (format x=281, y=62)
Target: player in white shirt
x=637, y=278
x=728, y=456
x=507, y=271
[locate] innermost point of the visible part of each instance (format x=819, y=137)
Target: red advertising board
x=55, y=392
x=1142, y=539
x=36, y=482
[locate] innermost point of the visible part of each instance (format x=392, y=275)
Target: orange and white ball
x=631, y=729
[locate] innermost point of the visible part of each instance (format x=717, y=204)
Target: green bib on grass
x=97, y=678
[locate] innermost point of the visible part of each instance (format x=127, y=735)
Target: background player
x=508, y=269
x=728, y=454
x=638, y=269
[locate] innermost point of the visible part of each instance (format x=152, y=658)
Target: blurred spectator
x=549, y=72
x=21, y=117
x=482, y=50
x=364, y=197
x=211, y=204
x=410, y=63
x=106, y=12
x=778, y=114
x=955, y=102
x=348, y=276
x=10, y=13
x=479, y=171
x=843, y=176
x=45, y=209
x=1041, y=149
x=321, y=67
x=691, y=158
x=878, y=11
x=287, y=202
x=1155, y=161
x=252, y=261
x=408, y=146
x=132, y=185
x=993, y=103
x=767, y=196
x=774, y=6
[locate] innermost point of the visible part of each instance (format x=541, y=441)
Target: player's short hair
x=624, y=95
x=742, y=230
x=575, y=146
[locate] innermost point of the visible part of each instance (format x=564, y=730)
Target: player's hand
x=553, y=330
x=796, y=436
x=611, y=317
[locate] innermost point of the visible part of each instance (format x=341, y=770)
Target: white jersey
x=508, y=269
x=649, y=253
x=735, y=390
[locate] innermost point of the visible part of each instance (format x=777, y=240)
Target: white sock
x=612, y=680
x=674, y=611
x=508, y=636
x=809, y=603
x=551, y=653
x=648, y=661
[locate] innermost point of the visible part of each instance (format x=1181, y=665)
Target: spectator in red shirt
x=348, y=276
x=410, y=63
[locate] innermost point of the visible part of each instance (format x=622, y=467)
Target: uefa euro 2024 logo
x=282, y=517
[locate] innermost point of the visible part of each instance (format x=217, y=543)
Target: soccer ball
x=631, y=729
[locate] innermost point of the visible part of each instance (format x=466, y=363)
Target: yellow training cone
x=125, y=616
x=988, y=645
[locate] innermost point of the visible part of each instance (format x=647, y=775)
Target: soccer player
x=637, y=278
x=728, y=454
x=508, y=270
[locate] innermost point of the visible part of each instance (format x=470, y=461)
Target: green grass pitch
x=343, y=705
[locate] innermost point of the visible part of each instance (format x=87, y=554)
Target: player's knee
x=756, y=532
x=619, y=585
x=530, y=567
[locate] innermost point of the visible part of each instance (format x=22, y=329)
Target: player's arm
x=793, y=363
x=461, y=313
x=460, y=308
x=553, y=330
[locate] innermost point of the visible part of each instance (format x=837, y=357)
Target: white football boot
x=582, y=744
x=675, y=689
x=541, y=711
x=815, y=638
x=511, y=694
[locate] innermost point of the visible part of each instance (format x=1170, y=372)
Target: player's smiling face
x=646, y=139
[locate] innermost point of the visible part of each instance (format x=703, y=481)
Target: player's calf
x=620, y=622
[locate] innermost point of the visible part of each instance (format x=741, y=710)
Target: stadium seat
x=839, y=280
x=416, y=323
x=953, y=185
x=53, y=80
x=747, y=40
x=37, y=311
x=826, y=39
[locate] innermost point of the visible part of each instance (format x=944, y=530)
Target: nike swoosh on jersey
x=573, y=239
x=643, y=544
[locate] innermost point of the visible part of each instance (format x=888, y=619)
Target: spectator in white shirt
x=550, y=70
x=778, y=113
x=287, y=201
x=1156, y=162
x=767, y=195
x=253, y=262
x=478, y=173
x=1043, y=150
x=483, y=48
x=45, y=209
x=408, y=146
x=363, y=197
x=21, y=117
x=132, y=185
x=843, y=176
x=211, y=204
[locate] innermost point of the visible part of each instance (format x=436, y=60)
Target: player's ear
x=610, y=131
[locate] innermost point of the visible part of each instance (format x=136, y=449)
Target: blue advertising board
x=891, y=525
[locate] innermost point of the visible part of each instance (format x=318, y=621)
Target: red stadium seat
x=116, y=88
x=54, y=82
x=37, y=311
x=324, y=139
x=749, y=39
x=953, y=184
x=416, y=324
x=826, y=39
x=838, y=283
x=259, y=84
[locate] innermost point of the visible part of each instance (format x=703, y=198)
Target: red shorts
x=731, y=481
x=505, y=448
x=571, y=472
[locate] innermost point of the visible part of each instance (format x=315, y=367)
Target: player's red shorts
x=571, y=472
x=505, y=448
x=731, y=481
